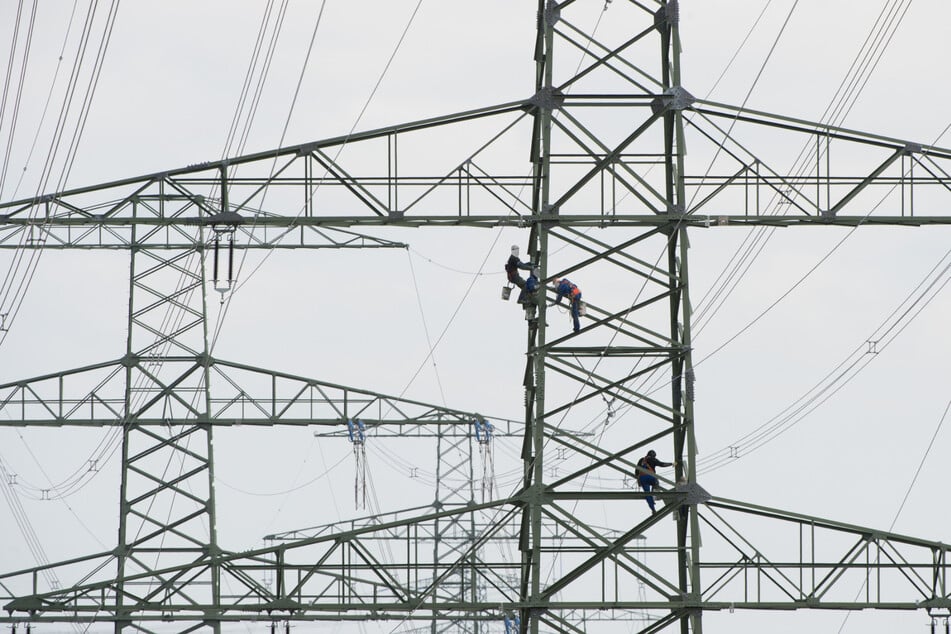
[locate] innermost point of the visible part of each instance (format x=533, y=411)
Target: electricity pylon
x=608, y=188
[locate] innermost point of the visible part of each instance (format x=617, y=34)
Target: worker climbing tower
x=607, y=193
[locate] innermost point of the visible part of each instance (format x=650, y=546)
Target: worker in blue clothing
x=564, y=288
x=512, y=625
x=531, y=285
x=527, y=296
x=646, y=470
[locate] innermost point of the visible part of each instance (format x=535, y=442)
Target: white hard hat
x=514, y=249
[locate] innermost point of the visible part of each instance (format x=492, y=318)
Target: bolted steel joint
x=548, y=99
x=552, y=13
x=228, y=218
x=674, y=98
x=696, y=494
x=667, y=15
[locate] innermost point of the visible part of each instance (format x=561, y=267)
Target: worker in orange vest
x=564, y=288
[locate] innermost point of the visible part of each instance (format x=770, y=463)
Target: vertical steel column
x=533, y=447
x=691, y=444
x=682, y=370
x=667, y=23
x=122, y=541
x=213, y=551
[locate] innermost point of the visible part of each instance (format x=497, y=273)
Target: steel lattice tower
x=608, y=188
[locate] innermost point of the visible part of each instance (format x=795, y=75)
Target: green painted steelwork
x=168, y=393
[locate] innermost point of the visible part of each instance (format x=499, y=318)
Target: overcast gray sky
x=166, y=96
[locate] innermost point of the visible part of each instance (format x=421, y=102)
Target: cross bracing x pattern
x=607, y=186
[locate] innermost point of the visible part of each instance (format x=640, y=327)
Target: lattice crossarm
x=894, y=570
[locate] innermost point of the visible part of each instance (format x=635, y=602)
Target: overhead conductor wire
x=847, y=94
x=882, y=24
x=339, y=150
x=24, y=62
x=11, y=273
x=782, y=421
x=183, y=277
x=901, y=507
x=275, y=33
x=272, y=46
x=287, y=122
x=10, y=304
x=18, y=277
x=46, y=104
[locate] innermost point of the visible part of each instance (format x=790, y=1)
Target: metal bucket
x=506, y=292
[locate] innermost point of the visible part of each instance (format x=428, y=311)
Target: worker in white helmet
x=512, y=266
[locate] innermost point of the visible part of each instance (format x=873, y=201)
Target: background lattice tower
x=579, y=161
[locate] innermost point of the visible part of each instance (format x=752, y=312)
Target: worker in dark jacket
x=513, y=264
x=564, y=288
x=646, y=470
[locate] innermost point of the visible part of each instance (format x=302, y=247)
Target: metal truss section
x=607, y=150
x=165, y=396
x=502, y=428
x=605, y=163
x=310, y=182
x=506, y=534
x=344, y=571
x=161, y=211
x=336, y=571
x=771, y=559
x=238, y=394
x=322, y=577
x=907, y=178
